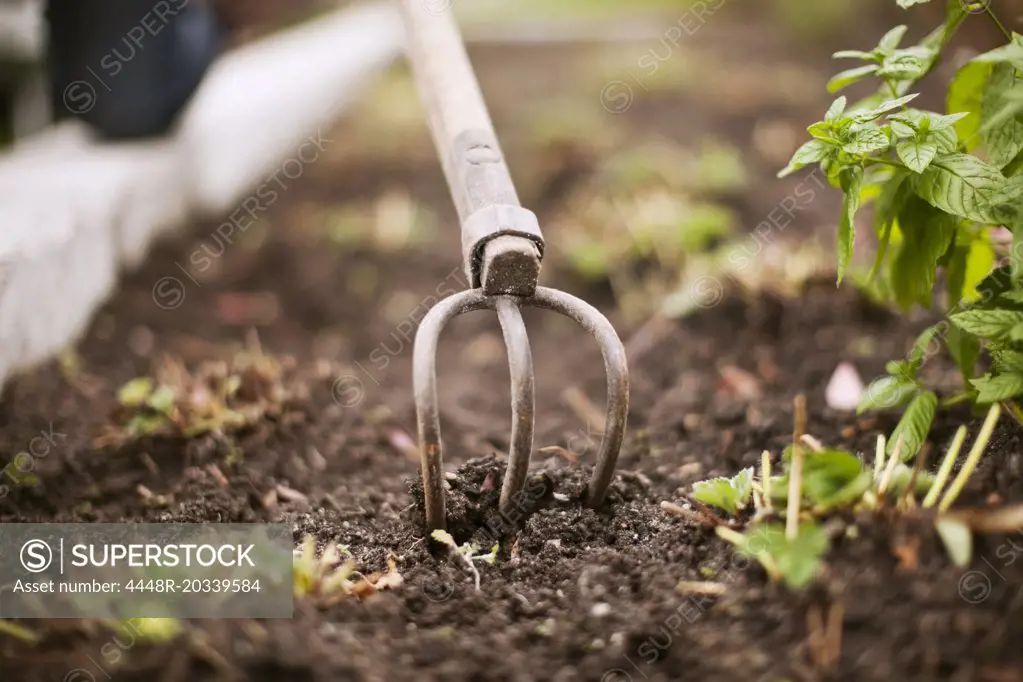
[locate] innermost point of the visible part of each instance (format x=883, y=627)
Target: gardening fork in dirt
x=501, y=250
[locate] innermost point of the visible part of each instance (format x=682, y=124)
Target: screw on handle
x=501, y=241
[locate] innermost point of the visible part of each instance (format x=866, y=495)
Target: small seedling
x=730, y=494
x=468, y=553
x=332, y=576
x=792, y=560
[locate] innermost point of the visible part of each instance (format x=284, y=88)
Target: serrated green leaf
x=914, y=426
x=797, y=561
x=729, y=494
x=916, y=155
x=964, y=348
x=828, y=473
x=851, y=179
x=835, y=110
x=927, y=234
x=1001, y=128
x=922, y=348
x=1012, y=53
x=866, y=140
x=890, y=40
x=961, y=184
x=444, y=537
x=844, y=79
x=992, y=389
x=966, y=95
x=988, y=324
x=882, y=109
x=905, y=65
x=893, y=196
x=810, y=152
x=887, y=392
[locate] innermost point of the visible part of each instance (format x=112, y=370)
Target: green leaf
x=964, y=348
x=135, y=392
x=961, y=184
x=906, y=65
x=797, y=561
x=905, y=4
x=966, y=95
x=851, y=179
x=1001, y=128
x=916, y=155
x=729, y=494
x=810, y=152
x=866, y=140
x=162, y=399
x=844, y=79
x=854, y=54
x=922, y=348
x=887, y=392
x=835, y=110
x=882, y=109
x=988, y=324
x=894, y=194
x=890, y=40
x=444, y=537
x=1011, y=53
x=828, y=473
x=992, y=389
x=927, y=234
x=914, y=426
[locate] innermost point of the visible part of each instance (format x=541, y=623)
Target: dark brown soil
x=576, y=594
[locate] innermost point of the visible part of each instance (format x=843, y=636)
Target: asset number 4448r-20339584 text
x=194, y=585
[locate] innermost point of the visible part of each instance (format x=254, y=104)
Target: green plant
x=817, y=482
x=943, y=185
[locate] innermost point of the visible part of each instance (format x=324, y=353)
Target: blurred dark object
x=128, y=68
x=244, y=20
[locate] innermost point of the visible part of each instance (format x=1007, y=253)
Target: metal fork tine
x=520, y=366
x=617, y=370
x=424, y=385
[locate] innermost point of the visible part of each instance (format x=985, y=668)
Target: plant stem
x=955, y=400
x=796, y=470
x=879, y=455
x=765, y=477
x=890, y=468
x=972, y=458
x=998, y=23
x=18, y=631
x=946, y=468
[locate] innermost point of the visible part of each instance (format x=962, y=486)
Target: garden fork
x=501, y=250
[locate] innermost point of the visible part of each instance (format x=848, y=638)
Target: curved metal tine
x=424, y=383
x=520, y=366
x=615, y=365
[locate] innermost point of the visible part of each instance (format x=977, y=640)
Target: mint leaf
x=914, y=426
x=992, y=389
x=916, y=155
x=854, y=54
x=927, y=234
x=729, y=494
x=866, y=140
x=890, y=40
x=989, y=324
x=851, y=180
x=882, y=109
x=906, y=4
x=796, y=561
x=887, y=392
x=966, y=95
x=844, y=79
x=835, y=110
x=964, y=348
x=1000, y=127
x=961, y=184
x=810, y=152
